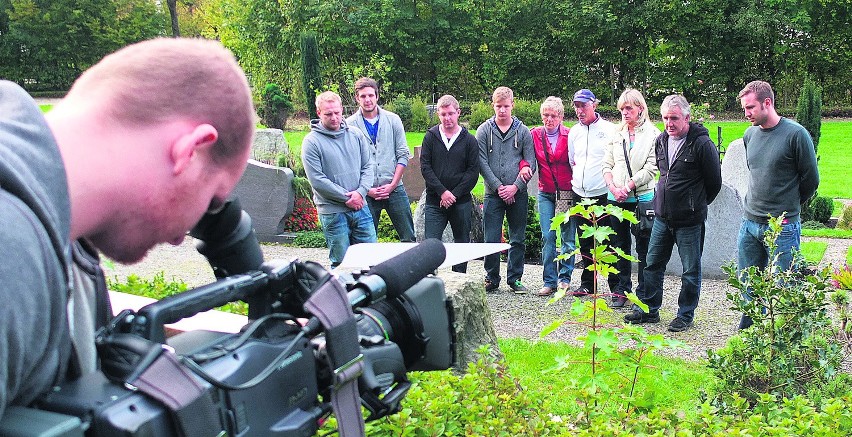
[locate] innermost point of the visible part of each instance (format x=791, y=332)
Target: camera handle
x=329, y=303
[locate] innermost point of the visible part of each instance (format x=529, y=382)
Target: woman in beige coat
x=632, y=144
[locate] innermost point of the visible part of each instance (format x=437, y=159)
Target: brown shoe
x=546, y=291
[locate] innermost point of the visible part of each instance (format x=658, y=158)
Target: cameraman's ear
x=200, y=139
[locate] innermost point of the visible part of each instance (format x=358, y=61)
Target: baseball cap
x=584, y=96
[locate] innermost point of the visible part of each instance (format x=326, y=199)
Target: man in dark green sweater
x=782, y=175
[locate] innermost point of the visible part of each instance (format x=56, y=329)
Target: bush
x=845, y=221
x=314, y=239
x=819, y=209
x=403, y=107
x=387, y=232
x=420, y=119
x=155, y=288
x=526, y=111
x=479, y=112
x=790, y=349
x=809, y=110
x=811, y=224
x=276, y=106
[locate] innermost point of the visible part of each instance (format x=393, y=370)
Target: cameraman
x=144, y=143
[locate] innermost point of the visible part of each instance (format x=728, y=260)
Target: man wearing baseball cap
x=587, y=142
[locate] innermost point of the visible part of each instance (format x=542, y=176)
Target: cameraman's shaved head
x=152, y=136
x=165, y=78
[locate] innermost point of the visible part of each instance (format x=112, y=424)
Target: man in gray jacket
x=386, y=135
x=112, y=170
x=339, y=166
x=506, y=162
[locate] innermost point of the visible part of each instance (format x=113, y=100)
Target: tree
x=174, y=16
x=809, y=110
x=311, y=79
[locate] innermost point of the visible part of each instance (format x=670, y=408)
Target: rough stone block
x=734, y=168
x=412, y=178
x=473, y=325
x=724, y=216
x=268, y=143
x=266, y=194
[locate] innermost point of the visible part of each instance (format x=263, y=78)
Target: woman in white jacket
x=633, y=145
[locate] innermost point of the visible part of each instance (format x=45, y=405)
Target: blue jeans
x=568, y=233
x=620, y=283
x=399, y=210
x=458, y=216
x=690, y=246
x=342, y=229
x=492, y=222
x=752, y=251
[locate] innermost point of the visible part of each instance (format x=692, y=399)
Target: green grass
x=530, y=362
x=849, y=256
x=813, y=251
x=827, y=233
x=294, y=138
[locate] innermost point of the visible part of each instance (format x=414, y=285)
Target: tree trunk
x=173, y=13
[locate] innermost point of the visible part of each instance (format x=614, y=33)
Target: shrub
x=811, y=224
x=789, y=350
x=479, y=112
x=809, y=110
x=817, y=209
x=402, y=106
x=155, y=288
x=845, y=221
x=314, y=239
x=420, y=119
x=276, y=106
x=387, y=232
x=311, y=77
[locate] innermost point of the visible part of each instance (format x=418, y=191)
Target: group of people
x=678, y=170
x=157, y=134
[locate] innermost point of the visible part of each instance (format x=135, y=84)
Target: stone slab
x=266, y=194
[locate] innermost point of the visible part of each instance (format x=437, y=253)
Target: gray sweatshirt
x=35, y=345
x=500, y=158
x=336, y=162
x=391, y=147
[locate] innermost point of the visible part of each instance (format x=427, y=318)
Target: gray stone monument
x=473, y=325
x=268, y=144
x=266, y=194
x=412, y=178
x=735, y=169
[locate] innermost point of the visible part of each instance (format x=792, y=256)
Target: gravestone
x=268, y=144
x=476, y=232
x=266, y=194
x=412, y=178
x=720, y=238
x=735, y=169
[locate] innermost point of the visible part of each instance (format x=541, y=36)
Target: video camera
x=288, y=367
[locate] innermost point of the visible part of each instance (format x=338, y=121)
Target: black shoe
x=518, y=287
x=491, y=286
x=638, y=317
x=679, y=325
x=581, y=291
x=618, y=301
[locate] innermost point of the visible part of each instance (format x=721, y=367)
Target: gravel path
x=513, y=315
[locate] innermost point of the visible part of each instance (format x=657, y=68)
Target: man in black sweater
x=449, y=160
x=690, y=178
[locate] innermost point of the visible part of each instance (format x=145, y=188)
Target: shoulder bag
x=644, y=210
x=564, y=198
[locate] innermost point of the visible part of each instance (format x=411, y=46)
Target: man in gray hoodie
x=383, y=129
x=142, y=145
x=506, y=162
x=339, y=166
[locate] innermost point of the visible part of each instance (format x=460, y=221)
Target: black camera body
x=275, y=377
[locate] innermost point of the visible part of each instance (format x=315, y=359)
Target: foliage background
x=707, y=50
